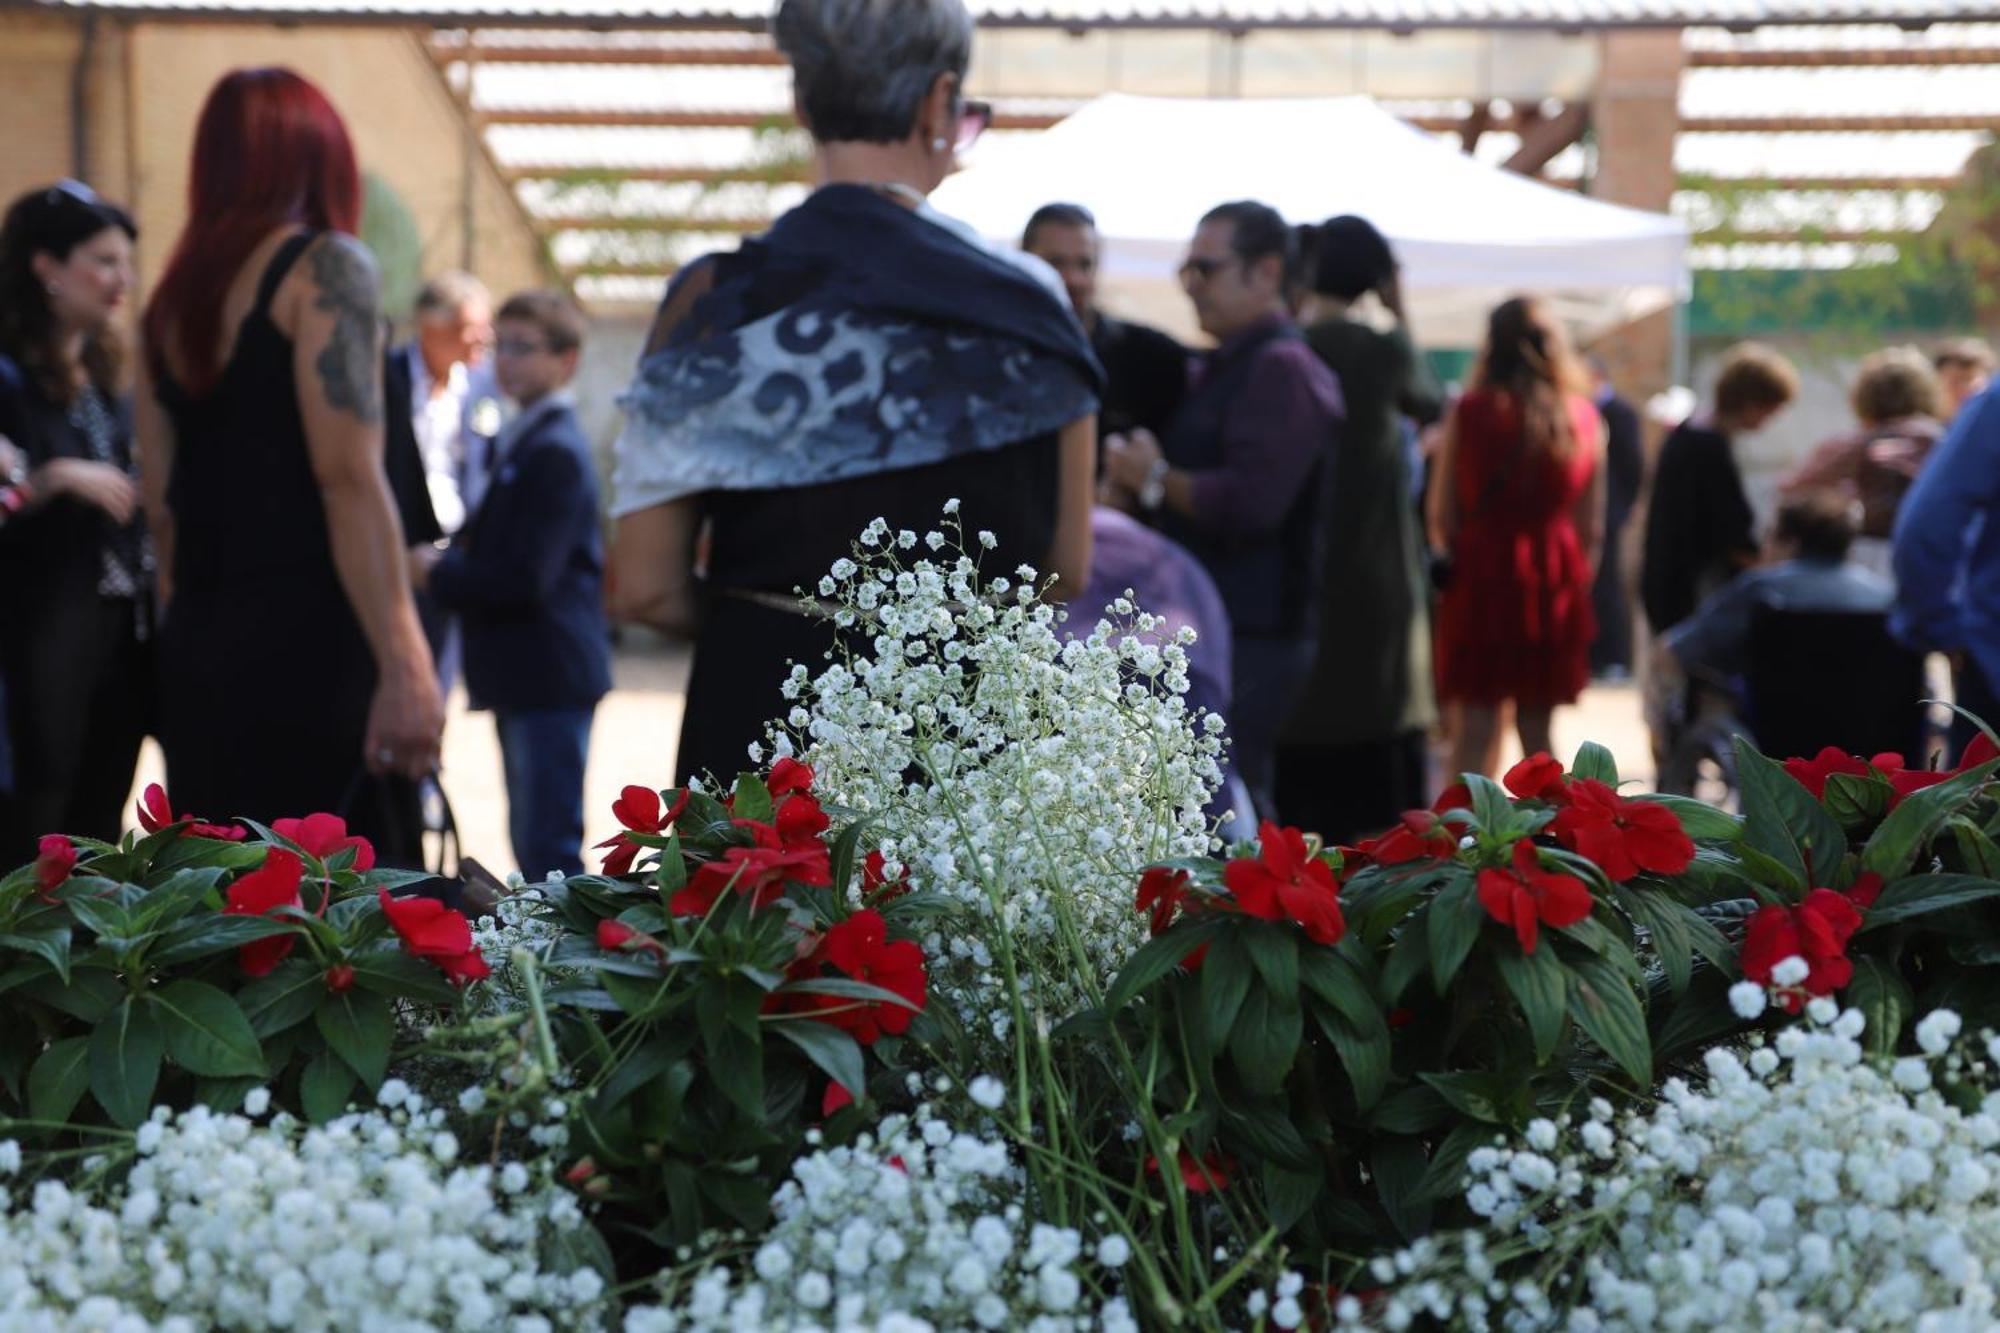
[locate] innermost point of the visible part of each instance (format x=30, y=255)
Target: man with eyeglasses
x=1242, y=476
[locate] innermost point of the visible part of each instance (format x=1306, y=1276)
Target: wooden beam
x=706, y=120
x=1542, y=137
x=1893, y=124
x=607, y=55
x=1872, y=57
x=652, y=223
x=562, y=173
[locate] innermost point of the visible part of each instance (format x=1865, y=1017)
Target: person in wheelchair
x=1705, y=663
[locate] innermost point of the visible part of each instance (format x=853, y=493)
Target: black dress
x=775, y=541
x=75, y=629
x=1700, y=531
x=265, y=676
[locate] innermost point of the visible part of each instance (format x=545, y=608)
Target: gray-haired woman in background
x=868, y=357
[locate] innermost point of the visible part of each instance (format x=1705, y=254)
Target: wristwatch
x=1153, y=492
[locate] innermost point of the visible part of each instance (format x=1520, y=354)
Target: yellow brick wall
x=37, y=58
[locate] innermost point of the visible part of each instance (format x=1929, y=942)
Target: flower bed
x=955, y=1015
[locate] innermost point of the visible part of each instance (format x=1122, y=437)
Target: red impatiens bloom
x=875, y=879
x=1978, y=750
x=758, y=873
x=1283, y=883
x=263, y=891
x=637, y=810
x=1161, y=892
x=860, y=947
x=835, y=1097
x=323, y=835
x=1199, y=1174
x=1622, y=836
x=1528, y=897
x=1419, y=835
x=1539, y=777
x=56, y=857
x=155, y=814
x=339, y=978
x=787, y=776
x=1865, y=889
x=1812, y=773
x=1817, y=930
x=616, y=936
x=435, y=933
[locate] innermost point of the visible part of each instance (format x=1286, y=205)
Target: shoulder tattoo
x=345, y=279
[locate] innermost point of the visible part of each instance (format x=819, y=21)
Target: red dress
x=1515, y=621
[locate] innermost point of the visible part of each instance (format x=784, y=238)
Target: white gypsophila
x=915, y=1226
x=225, y=1223
x=1025, y=777
x=1803, y=1188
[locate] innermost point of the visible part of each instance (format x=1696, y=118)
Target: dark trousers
x=544, y=751
x=1266, y=674
x=79, y=702
x=1348, y=792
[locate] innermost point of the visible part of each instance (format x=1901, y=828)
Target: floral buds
x=339, y=978
x=616, y=935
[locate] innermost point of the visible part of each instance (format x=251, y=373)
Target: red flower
x=835, y=1097
x=1400, y=1018
x=1978, y=750
x=155, y=814
x=263, y=891
x=339, y=978
x=1284, y=883
x=637, y=810
x=1418, y=836
x=1161, y=892
x=56, y=859
x=759, y=873
x=1865, y=889
x=1199, y=1174
x=1622, y=836
x=1909, y=781
x=875, y=878
x=1817, y=930
x=323, y=835
x=1527, y=896
x=860, y=946
x=1457, y=796
x=1539, y=777
x=1812, y=773
x=788, y=775
x=435, y=933
x=616, y=935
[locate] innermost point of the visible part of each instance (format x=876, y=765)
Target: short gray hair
x=448, y=293
x=861, y=68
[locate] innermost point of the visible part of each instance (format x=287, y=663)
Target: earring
x=938, y=144
x=55, y=289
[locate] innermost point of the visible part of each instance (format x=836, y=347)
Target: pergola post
x=1635, y=114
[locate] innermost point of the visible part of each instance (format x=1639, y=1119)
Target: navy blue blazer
x=526, y=573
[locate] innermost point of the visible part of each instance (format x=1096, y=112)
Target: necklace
x=908, y=194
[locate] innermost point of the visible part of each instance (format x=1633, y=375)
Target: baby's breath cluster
x=1804, y=1186
x=1025, y=776
x=373, y=1221
x=917, y=1226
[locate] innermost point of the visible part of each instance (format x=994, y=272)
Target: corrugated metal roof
x=1395, y=14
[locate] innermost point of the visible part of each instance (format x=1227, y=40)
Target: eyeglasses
x=974, y=119
x=519, y=347
x=1200, y=268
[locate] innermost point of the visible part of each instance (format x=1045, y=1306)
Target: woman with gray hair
x=867, y=357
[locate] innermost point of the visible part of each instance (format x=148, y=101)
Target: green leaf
x=833, y=1050
x=1920, y=895
x=1783, y=821
x=1452, y=924
x=1884, y=999
x=736, y=1063
x=59, y=1078
x=1398, y=1165
x=283, y=997
x=1603, y=1005
x=1975, y=848
x=1469, y=1093
x=1290, y=1195
x=1540, y=986
x=846, y=853
x=1159, y=956
x=91, y=995
x=400, y=975
x=1700, y=820
x=206, y=1033
x=1490, y=803
x=1336, y=980
x=125, y=1055
x=1225, y=980
x=1412, y=1110
x=1274, y=948
x=1594, y=761
x=1364, y=1055
x=1265, y=1040
x=1271, y=1135
x=360, y=1029
x=104, y=919
x=207, y=935
x=847, y=989
x=325, y=1086
x=1911, y=825
x=1855, y=800
x=224, y=1094
x=51, y=944
x=753, y=799
x=1406, y=963
x=637, y=1069
x=1665, y=922
x=1444, y=1177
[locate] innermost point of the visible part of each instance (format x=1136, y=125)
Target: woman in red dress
x=1518, y=503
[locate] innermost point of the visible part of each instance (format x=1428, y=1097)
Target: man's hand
x=1129, y=459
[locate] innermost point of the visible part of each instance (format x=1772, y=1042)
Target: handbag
x=400, y=816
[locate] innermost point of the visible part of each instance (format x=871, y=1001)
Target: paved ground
x=633, y=741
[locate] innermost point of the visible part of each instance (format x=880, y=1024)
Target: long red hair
x=1527, y=358
x=269, y=150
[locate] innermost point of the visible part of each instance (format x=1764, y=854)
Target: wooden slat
x=656, y=222
x=1851, y=59
x=1837, y=184
x=745, y=57
x=1893, y=124
x=1800, y=236
x=698, y=120
x=563, y=171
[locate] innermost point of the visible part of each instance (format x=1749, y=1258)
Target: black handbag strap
x=444, y=824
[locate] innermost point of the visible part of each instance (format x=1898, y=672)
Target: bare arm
x=651, y=580
x=1589, y=512
x=1441, y=502
x=1069, y=553
x=153, y=432
x=330, y=305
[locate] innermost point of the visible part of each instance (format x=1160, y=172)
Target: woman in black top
x=868, y=358
x=292, y=658
x=76, y=575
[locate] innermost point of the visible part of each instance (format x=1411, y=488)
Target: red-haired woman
x=1518, y=502
x=76, y=578
x=291, y=654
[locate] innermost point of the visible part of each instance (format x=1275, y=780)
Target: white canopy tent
x=1469, y=235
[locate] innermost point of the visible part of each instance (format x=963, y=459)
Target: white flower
x=10, y=1156
x=988, y=1091
x=1911, y=1074
x=1791, y=971
x=256, y=1102
x=1747, y=998
x=1114, y=1251
x=1937, y=1030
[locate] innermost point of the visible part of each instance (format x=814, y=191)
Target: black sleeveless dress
x=266, y=679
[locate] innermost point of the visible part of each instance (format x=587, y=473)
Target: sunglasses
x=1200, y=268
x=519, y=347
x=974, y=119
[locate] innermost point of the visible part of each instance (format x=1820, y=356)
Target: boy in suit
x=526, y=577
